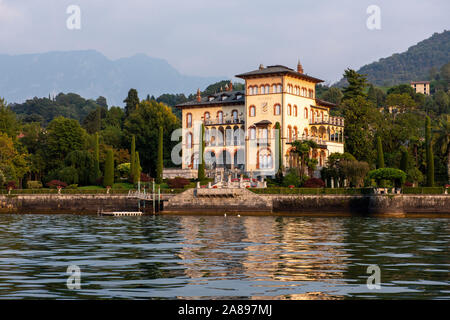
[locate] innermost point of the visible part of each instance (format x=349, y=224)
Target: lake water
x=204, y=257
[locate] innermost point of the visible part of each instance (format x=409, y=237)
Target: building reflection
x=288, y=254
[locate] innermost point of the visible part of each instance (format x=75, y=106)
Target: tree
x=380, y=155
x=333, y=95
x=63, y=136
x=356, y=85
x=159, y=164
x=97, y=173
x=358, y=133
x=132, y=157
x=201, y=166
x=8, y=120
x=429, y=153
x=84, y=164
x=302, y=149
x=397, y=176
x=137, y=168
x=131, y=102
x=402, y=101
x=108, y=178
x=144, y=123
x=7, y=150
x=279, y=155
x=404, y=161
x=353, y=170
x=443, y=140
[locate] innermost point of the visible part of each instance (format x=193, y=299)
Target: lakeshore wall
x=220, y=201
x=73, y=203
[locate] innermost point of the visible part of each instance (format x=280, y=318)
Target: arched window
x=206, y=116
x=274, y=88
x=295, y=110
x=289, y=133
x=255, y=90
x=279, y=88
x=252, y=111
x=189, y=140
x=267, y=89
x=277, y=109
x=220, y=116
x=234, y=114
x=262, y=89
x=295, y=135
x=252, y=133
x=289, y=110
x=305, y=114
x=250, y=90
x=189, y=120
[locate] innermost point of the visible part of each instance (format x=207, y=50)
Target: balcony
x=320, y=141
x=224, y=121
x=334, y=121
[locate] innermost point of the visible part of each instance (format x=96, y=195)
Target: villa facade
x=240, y=126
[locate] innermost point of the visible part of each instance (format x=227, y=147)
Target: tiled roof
x=221, y=98
x=325, y=103
x=277, y=69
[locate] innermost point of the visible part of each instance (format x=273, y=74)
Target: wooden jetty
x=121, y=213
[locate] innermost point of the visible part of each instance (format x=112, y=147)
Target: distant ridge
x=411, y=65
x=91, y=74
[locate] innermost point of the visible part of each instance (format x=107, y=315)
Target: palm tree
x=301, y=149
x=442, y=135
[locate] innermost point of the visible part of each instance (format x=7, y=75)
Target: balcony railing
x=320, y=141
x=224, y=121
x=335, y=121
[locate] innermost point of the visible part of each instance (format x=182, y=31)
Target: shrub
x=34, y=184
x=11, y=185
x=72, y=186
x=177, y=182
x=395, y=175
x=314, y=183
x=291, y=179
x=56, y=183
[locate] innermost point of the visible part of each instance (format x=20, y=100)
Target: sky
x=227, y=37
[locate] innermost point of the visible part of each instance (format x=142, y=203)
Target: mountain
x=415, y=64
x=90, y=74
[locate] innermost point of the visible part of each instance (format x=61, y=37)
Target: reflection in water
x=218, y=257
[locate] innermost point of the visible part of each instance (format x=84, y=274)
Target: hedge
x=279, y=190
x=423, y=190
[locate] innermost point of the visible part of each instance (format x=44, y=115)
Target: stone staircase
x=217, y=201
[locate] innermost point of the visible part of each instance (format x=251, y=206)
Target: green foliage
x=333, y=95
x=358, y=135
x=380, y=154
x=291, y=179
x=34, y=184
x=413, y=64
x=395, y=175
x=222, y=86
x=8, y=121
x=429, y=153
x=44, y=110
x=201, y=166
x=133, y=157
x=84, y=163
x=279, y=157
x=159, y=164
x=131, y=102
x=108, y=178
x=356, y=85
x=97, y=173
x=145, y=123
x=423, y=190
x=2, y=178
x=124, y=169
x=137, y=169
x=68, y=175
x=355, y=171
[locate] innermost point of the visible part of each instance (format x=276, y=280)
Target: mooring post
x=159, y=198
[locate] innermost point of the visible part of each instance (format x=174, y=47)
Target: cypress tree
x=97, y=173
x=380, y=155
x=108, y=179
x=159, y=164
x=137, y=168
x=279, y=158
x=132, y=157
x=404, y=162
x=429, y=153
x=201, y=165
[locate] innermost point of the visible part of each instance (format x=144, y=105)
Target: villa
x=240, y=132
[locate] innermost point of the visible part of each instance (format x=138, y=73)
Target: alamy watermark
x=73, y=22
x=373, y=22
x=74, y=279
x=374, y=280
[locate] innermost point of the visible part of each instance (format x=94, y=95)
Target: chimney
x=199, y=97
x=230, y=86
x=299, y=67
x=261, y=66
